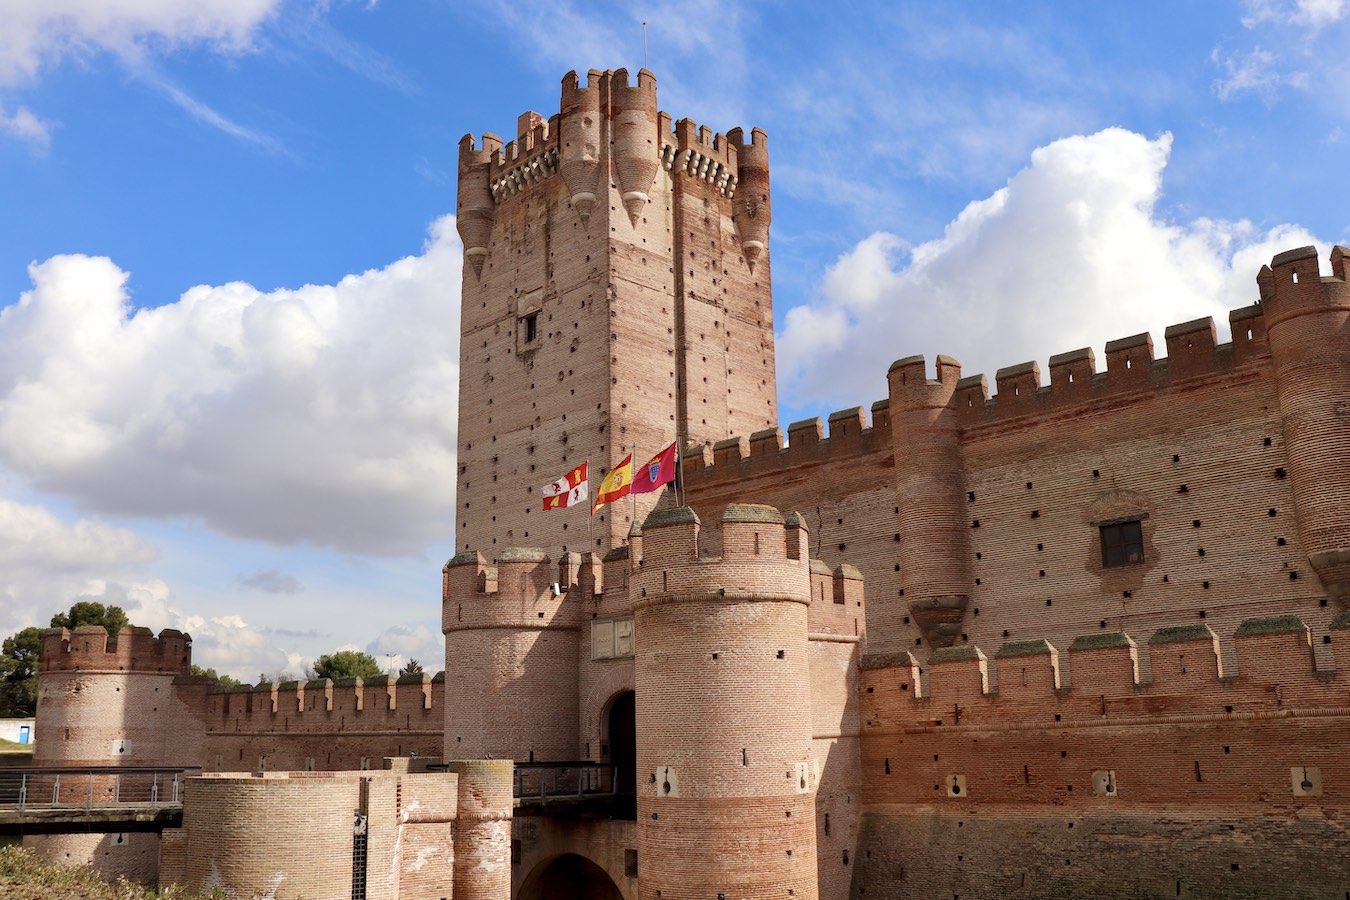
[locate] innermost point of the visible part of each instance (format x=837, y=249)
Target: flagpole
x=679, y=473
x=590, y=517
x=632, y=496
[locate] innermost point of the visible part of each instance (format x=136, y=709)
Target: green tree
x=222, y=680
x=412, y=668
x=346, y=664
x=19, y=653
x=18, y=673
x=86, y=612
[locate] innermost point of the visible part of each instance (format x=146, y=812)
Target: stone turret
x=582, y=139
x=115, y=700
x=635, y=151
x=1307, y=320
x=511, y=632
x=473, y=207
x=726, y=787
x=109, y=698
x=934, y=543
x=752, y=210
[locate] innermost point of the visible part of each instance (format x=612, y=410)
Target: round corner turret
x=1307, y=320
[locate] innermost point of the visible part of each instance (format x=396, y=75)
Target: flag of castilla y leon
x=570, y=489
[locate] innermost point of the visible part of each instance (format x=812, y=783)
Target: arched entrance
x=569, y=877
x=621, y=730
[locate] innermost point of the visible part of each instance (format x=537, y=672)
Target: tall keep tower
x=616, y=297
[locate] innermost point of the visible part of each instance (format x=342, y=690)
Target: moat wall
x=1179, y=852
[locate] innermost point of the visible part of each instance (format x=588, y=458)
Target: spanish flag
x=616, y=484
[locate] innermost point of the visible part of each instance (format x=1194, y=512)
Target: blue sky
x=266, y=455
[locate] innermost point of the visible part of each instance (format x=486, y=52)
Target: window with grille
x=1122, y=543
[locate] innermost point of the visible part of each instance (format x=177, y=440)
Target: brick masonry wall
x=601, y=681
x=835, y=620
x=303, y=850
x=1109, y=787
x=291, y=835
x=127, y=718
x=124, y=700
x=132, y=854
x=323, y=726
x=923, y=851
x=844, y=491
x=483, y=829
x=427, y=808
x=835, y=751
x=1201, y=457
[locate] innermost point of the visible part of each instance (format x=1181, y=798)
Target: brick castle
x=1104, y=651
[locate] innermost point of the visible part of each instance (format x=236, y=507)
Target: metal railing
x=91, y=788
x=573, y=780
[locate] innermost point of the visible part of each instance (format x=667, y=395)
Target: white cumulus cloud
x=35, y=33
x=225, y=643
x=23, y=125
x=33, y=539
x=1313, y=13
x=1072, y=252
x=47, y=563
x=397, y=644
x=323, y=415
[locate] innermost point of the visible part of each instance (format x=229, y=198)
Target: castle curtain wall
x=1192, y=445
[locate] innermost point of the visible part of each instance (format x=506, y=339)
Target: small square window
x=1122, y=544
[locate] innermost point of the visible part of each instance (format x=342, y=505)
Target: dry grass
x=26, y=876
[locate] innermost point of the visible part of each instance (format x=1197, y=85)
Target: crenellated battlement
x=698, y=152
x=849, y=434
x=1074, y=379
x=908, y=381
x=1275, y=674
x=763, y=558
x=90, y=648
x=381, y=703
x=526, y=161
x=572, y=90
x=522, y=588
x=1293, y=283
x=479, y=153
